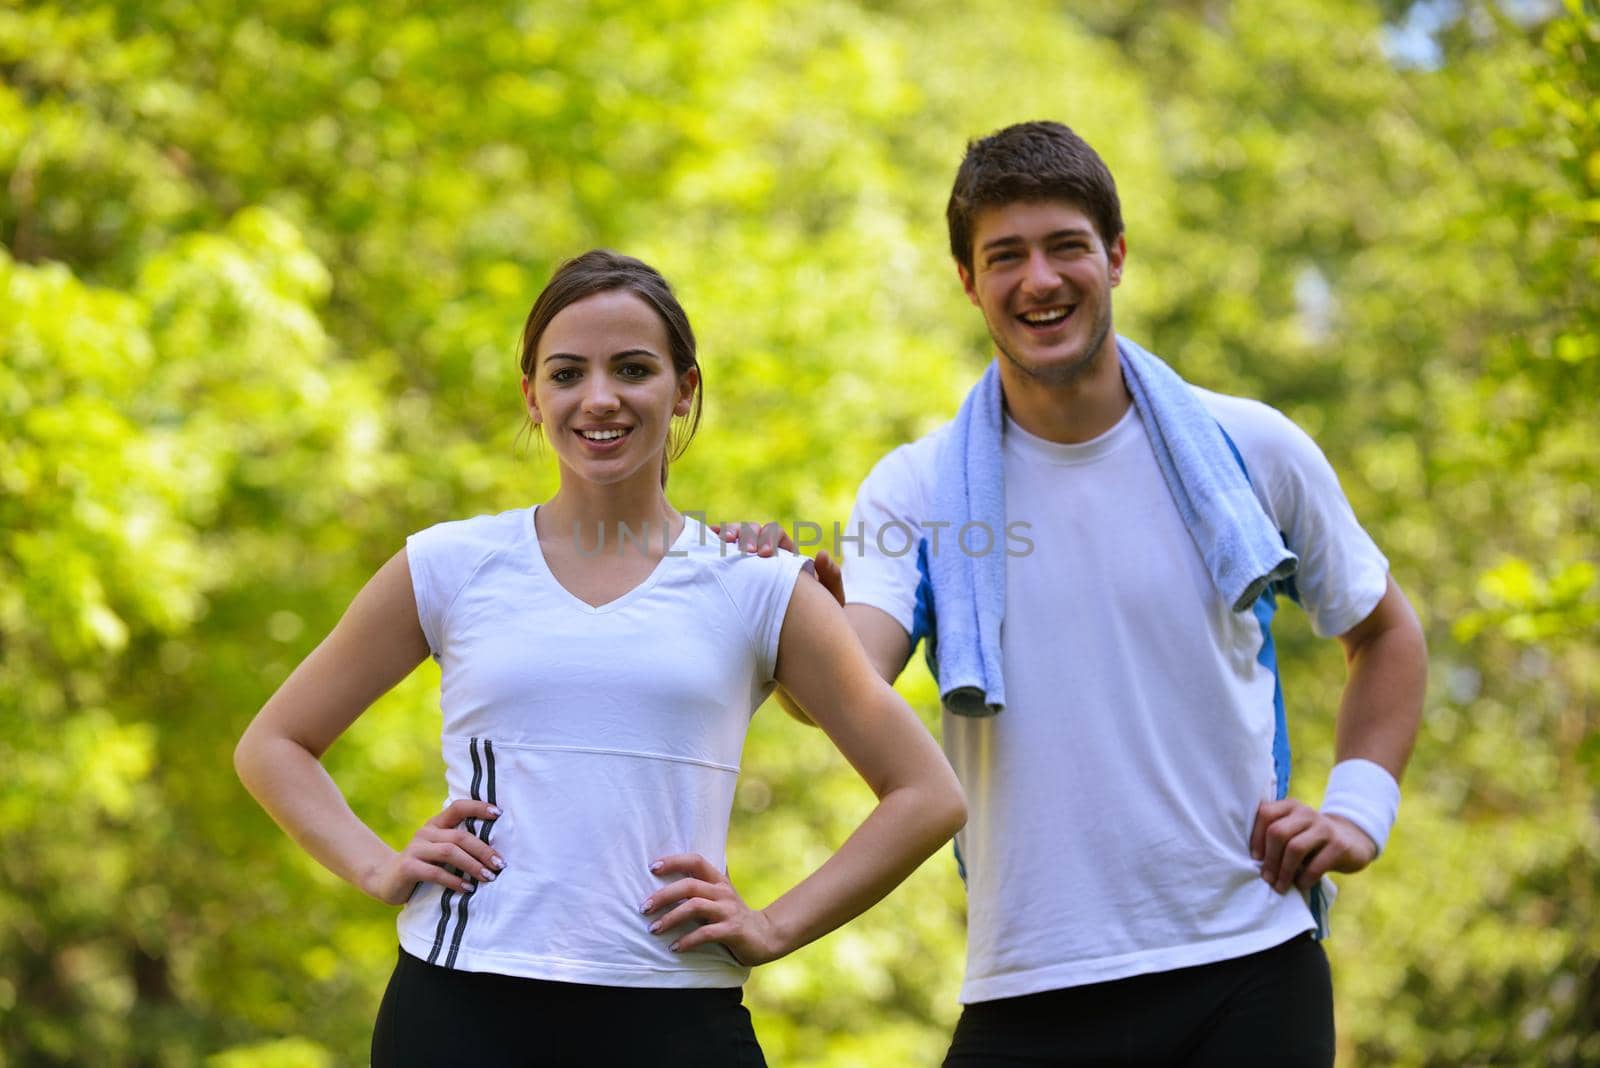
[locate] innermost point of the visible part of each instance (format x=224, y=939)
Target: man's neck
x=1068, y=414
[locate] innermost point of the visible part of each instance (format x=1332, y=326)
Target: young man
x=1139, y=889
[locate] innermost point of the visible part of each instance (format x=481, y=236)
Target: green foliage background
x=261, y=271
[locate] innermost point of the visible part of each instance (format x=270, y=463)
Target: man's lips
x=1047, y=318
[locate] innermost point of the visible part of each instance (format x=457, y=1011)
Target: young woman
x=600, y=658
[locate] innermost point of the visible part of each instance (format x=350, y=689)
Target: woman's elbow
x=254, y=755
x=947, y=805
x=246, y=756
x=956, y=810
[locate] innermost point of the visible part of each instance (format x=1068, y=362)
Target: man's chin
x=1054, y=368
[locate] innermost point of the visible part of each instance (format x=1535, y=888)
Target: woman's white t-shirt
x=609, y=736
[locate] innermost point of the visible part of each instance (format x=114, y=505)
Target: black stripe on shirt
x=461, y=919
x=488, y=758
x=444, y=923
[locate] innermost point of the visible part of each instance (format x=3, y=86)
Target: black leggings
x=434, y=1016
x=1274, y=1007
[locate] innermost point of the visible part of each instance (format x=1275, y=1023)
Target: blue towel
x=1242, y=550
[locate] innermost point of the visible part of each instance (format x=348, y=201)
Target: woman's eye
x=563, y=374
x=634, y=370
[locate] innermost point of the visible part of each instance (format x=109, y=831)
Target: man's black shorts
x=1273, y=1007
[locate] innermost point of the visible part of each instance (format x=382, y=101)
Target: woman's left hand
x=706, y=895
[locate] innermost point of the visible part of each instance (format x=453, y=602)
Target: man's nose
x=1039, y=274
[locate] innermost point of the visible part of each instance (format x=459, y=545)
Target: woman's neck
x=585, y=509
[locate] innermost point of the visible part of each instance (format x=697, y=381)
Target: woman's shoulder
x=487, y=529
x=450, y=545
x=740, y=573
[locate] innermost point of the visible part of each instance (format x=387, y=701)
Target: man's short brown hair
x=1028, y=162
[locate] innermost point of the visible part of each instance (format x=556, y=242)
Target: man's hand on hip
x=1297, y=845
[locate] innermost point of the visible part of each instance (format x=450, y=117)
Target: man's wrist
x=1364, y=793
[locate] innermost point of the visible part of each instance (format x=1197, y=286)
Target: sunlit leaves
x=262, y=275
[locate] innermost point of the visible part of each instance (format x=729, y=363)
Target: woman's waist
x=567, y=904
x=587, y=825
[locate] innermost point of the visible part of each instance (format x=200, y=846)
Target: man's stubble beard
x=1059, y=375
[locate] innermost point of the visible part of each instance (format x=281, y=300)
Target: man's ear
x=1117, y=253
x=966, y=284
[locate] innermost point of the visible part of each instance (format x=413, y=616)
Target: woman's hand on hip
x=442, y=851
x=707, y=897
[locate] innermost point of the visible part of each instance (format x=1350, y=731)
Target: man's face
x=1042, y=277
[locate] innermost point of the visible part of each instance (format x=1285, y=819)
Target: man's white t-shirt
x=609, y=736
x=1111, y=802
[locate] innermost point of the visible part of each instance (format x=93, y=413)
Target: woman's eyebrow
x=622, y=355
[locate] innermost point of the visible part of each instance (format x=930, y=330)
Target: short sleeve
x=760, y=588
x=443, y=559
x=1342, y=574
x=424, y=556
x=879, y=550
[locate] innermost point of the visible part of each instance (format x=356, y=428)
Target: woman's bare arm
x=374, y=645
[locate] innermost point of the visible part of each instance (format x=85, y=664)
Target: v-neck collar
x=643, y=587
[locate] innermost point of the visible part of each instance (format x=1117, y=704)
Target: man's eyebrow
x=1016, y=239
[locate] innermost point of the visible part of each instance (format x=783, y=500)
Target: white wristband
x=1365, y=794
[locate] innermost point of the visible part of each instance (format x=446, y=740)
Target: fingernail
x=655, y=865
x=645, y=909
x=488, y=876
x=655, y=927
x=498, y=861
x=494, y=810
x=673, y=947
x=466, y=888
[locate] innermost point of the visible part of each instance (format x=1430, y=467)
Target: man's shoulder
x=1246, y=414
x=916, y=461
x=1262, y=433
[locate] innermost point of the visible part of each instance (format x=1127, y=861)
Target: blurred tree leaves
x=261, y=273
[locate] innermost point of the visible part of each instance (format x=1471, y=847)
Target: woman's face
x=604, y=389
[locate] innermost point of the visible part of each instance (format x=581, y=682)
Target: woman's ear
x=532, y=405
x=687, y=383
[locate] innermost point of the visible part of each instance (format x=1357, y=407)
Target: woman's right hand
x=442, y=851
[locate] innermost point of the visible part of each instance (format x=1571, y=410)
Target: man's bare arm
x=1379, y=714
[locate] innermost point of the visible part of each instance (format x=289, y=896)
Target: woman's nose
x=599, y=396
